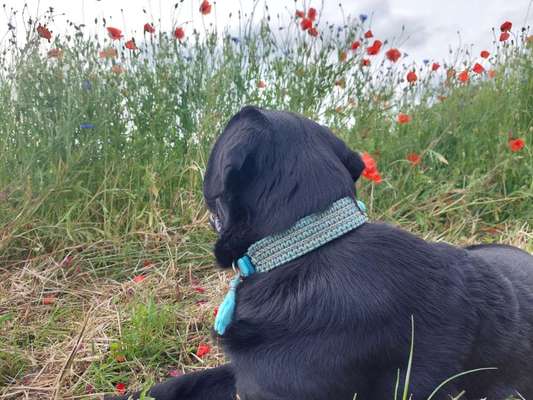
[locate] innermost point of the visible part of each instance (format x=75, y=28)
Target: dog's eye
x=215, y=223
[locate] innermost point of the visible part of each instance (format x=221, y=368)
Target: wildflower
x=463, y=76
x=425, y=61
x=311, y=13
x=130, y=44
x=491, y=74
x=87, y=126
x=175, y=373
x=203, y=349
x=179, y=33
x=371, y=168
x=506, y=26
x=478, y=68
x=393, y=55
x=504, y=36
x=114, y=33
x=363, y=17
x=215, y=312
x=365, y=62
x=414, y=159
x=516, y=144
x=306, y=24
x=110, y=52
x=205, y=7
x=355, y=45
x=43, y=32
x=369, y=34
x=55, y=53
x=139, y=278
x=120, y=388
x=374, y=49
x=149, y=28
x=261, y=84
x=485, y=54
x=403, y=118
x=342, y=56
x=411, y=77
x=49, y=300
x=300, y=14
x=435, y=66
x=313, y=32
x=199, y=289
x=117, y=69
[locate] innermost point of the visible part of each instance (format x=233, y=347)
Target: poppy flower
x=435, y=66
x=114, y=33
x=463, y=76
x=311, y=13
x=374, y=49
x=179, y=33
x=365, y=62
x=43, y=32
x=313, y=32
x=110, y=52
x=504, y=36
x=393, y=55
x=215, y=312
x=478, y=68
x=371, y=168
x=203, y=349
x=355, y=45
x=261, y=84
x=403, y=118
x=413, y=158
x=369, y=34
x=300, y=14
x=516, y=144
x=130, y=44
x=506, y=26
x=491, y=74
x=199, y=289
x=49, y=300
x=306, y=24
x=205, y=7
x=485, y=54
x=139, y=278
x=343, y=56
x=149, y=28
x=55, y=53
x=411, y=77
x=120, y=388
x=117, y=69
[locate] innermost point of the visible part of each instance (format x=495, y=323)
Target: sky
x=431, y=27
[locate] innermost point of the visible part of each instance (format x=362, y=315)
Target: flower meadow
x=107, y=278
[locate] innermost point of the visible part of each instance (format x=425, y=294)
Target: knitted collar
x=306, y=235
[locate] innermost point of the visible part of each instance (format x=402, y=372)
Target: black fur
x=337, y=321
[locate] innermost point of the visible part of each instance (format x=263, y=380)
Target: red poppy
x=393, y=55
x=516, y=144
x=485, y=54
x=365, y=62
x=139, y=278
x=43, y=32
x=478, y=68
x=463, y=76
x=205, y=7
x=114, y=33
x=369, y=34
x=130, y=44
x=179, y=33
x=491, y=74
x=313, y=32
x=506, y=26
x=435, y=66
x=149, y=28
x=108, y=53
x=215, y=311
x=120, y=388
x=414, y=159
x=403, y=118
x=261, y=84
x=355, y=45
x=199, y=289
x=504, y=36
x=49, y=300
x=311, y=13
x=374, y=49
x=411, y=77
x=371, y=168
x=203, y=349
x=306, y=24
x=300, y=14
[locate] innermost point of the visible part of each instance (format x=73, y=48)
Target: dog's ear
x=350, y=159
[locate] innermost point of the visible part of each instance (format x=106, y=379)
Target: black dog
x=337, y=322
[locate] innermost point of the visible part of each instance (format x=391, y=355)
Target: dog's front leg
x=211, y=384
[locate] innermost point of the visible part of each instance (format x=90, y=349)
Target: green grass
x=124, y=198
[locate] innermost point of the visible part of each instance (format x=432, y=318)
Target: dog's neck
x=306, y=235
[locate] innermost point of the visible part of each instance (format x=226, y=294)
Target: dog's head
x=267, y=170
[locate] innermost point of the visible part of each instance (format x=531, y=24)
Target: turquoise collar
x=308, y=234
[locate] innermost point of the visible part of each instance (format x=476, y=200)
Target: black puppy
x=336, y=322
